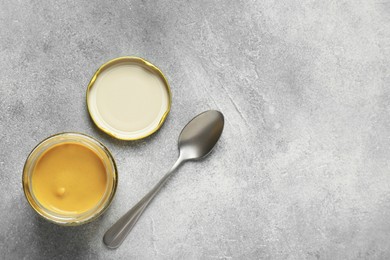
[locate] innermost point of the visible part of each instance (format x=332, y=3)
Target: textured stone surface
x=302, y=170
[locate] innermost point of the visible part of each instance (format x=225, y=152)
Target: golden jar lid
x=128, y=98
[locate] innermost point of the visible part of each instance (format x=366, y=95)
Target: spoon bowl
x=199, y=136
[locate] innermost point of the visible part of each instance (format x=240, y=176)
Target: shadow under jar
x=70, y=179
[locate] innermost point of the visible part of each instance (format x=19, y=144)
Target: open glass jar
x=43, y=153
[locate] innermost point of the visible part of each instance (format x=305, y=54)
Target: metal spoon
x=196, y=140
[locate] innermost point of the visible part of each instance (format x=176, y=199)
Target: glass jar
x=78, y=218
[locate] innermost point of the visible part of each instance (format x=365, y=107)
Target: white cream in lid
x=128, y=98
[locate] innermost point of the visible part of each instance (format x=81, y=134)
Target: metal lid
x=109, y=128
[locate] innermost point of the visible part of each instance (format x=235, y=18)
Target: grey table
x=301, y=171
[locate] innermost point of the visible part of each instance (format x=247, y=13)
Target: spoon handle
x=114, y=237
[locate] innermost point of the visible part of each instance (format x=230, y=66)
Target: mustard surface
x=69, y=178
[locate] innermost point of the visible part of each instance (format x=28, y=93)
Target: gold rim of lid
x=143, y=63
